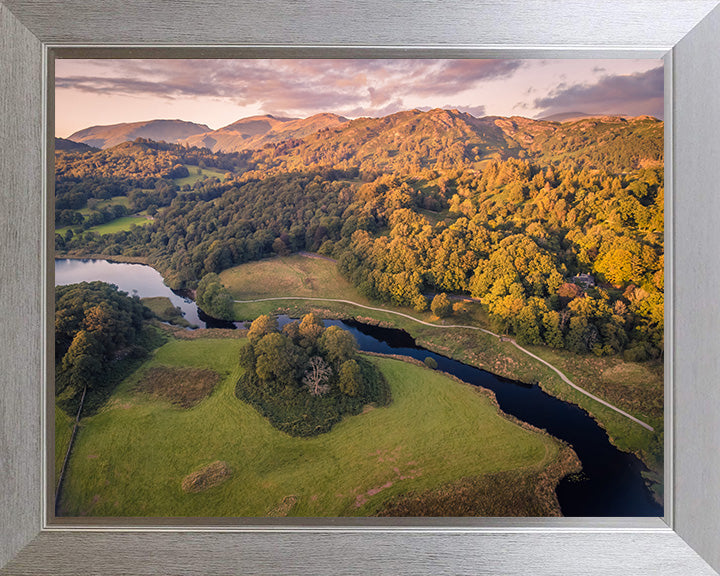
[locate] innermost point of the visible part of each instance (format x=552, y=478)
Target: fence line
x=67, y=454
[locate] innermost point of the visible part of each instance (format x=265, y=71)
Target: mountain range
x=403, y=141
x=413, y=139
x=250, y=133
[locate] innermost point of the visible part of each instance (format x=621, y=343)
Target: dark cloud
x=633, y=94
x=352, y=87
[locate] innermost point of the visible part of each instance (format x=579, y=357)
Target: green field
x=121, y=224
x=132, y=456
x=289, y=276
x=102, y=204
x=118, y=225
x=636, y=388
x=197, y=173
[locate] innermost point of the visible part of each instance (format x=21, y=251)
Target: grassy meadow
x=118, y=225
x=132, y=457
x=635, y=388
x=121, y=224
x=197, y=173
x=296, y=275
x=165, y=311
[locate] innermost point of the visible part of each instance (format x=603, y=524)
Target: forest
x=556, y=228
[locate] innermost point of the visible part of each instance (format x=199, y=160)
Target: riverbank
x=501, y=358
x=120, y=259
x=634, y=388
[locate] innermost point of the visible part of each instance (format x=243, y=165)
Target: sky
x=219, y=92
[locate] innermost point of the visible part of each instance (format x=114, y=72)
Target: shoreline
x=566, y=461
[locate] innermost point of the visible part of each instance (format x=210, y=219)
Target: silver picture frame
x=684, y=32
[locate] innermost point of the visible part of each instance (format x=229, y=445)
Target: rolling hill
x=64, y=145
x=171, y=131
x=256, y=131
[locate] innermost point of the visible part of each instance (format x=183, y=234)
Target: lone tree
x=441, y=305
x=213, y=298
x=317, y=376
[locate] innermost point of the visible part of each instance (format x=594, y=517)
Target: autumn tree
x=420, y=303
x=350, y=378
x=292, y=331
x=310, y=329
x=441, y=305
x=261, y=326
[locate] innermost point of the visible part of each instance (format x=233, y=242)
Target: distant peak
x=564, y=116
x=579, y=116
x=257, y=119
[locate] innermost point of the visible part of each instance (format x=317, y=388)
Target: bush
x=430, y=362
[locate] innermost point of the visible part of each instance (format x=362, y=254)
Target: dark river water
x=610, y=483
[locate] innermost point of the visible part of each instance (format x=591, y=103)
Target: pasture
x=132, y=457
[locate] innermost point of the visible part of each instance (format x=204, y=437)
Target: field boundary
x=67, y=454
x=563, y=377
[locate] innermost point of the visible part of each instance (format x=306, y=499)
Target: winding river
x=611, y=482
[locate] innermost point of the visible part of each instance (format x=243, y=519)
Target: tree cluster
x=213, y=298
x=95, y=326
x=512, y=237
x=305, y=377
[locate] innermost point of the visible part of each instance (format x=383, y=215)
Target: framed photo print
x=304, y=297
x=297, y=242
